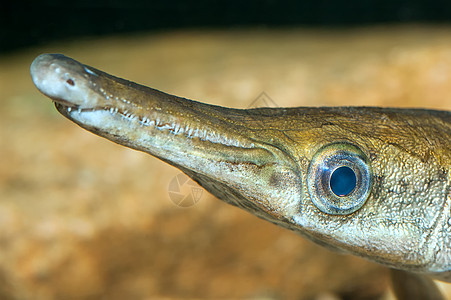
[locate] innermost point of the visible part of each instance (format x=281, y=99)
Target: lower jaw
x=102, y=117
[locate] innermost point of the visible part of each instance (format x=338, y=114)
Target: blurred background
x=83, y=218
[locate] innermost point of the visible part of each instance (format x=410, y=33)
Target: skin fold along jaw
x=373, y=182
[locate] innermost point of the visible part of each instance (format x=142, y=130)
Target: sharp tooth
x=184, y=129
x=203, y=134
x=190, y=132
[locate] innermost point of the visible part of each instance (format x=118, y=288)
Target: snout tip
x=55, y=75
x=43, y=69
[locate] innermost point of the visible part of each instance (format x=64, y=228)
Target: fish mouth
x=218, y=147
x=77, y=90
x=173, y=126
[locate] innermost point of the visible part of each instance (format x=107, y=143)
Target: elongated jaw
x=210, y=143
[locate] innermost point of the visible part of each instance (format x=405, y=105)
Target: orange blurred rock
x=83, y=218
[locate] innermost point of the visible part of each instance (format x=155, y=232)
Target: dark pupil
x=343, y=181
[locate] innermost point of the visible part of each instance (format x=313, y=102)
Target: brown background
x=82, y=218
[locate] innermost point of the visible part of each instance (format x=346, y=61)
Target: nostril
x=70, y=82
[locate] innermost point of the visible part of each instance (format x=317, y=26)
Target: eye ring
x=339, y=161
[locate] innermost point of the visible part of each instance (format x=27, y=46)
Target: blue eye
x=342, y=181
x=339, y=179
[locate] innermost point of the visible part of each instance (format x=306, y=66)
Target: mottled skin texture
x=258, y=159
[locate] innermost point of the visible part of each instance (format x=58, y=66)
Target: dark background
x=25, y=23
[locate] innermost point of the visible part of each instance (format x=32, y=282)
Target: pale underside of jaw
x=109, y=117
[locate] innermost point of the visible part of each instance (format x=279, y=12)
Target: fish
x=368, y=181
